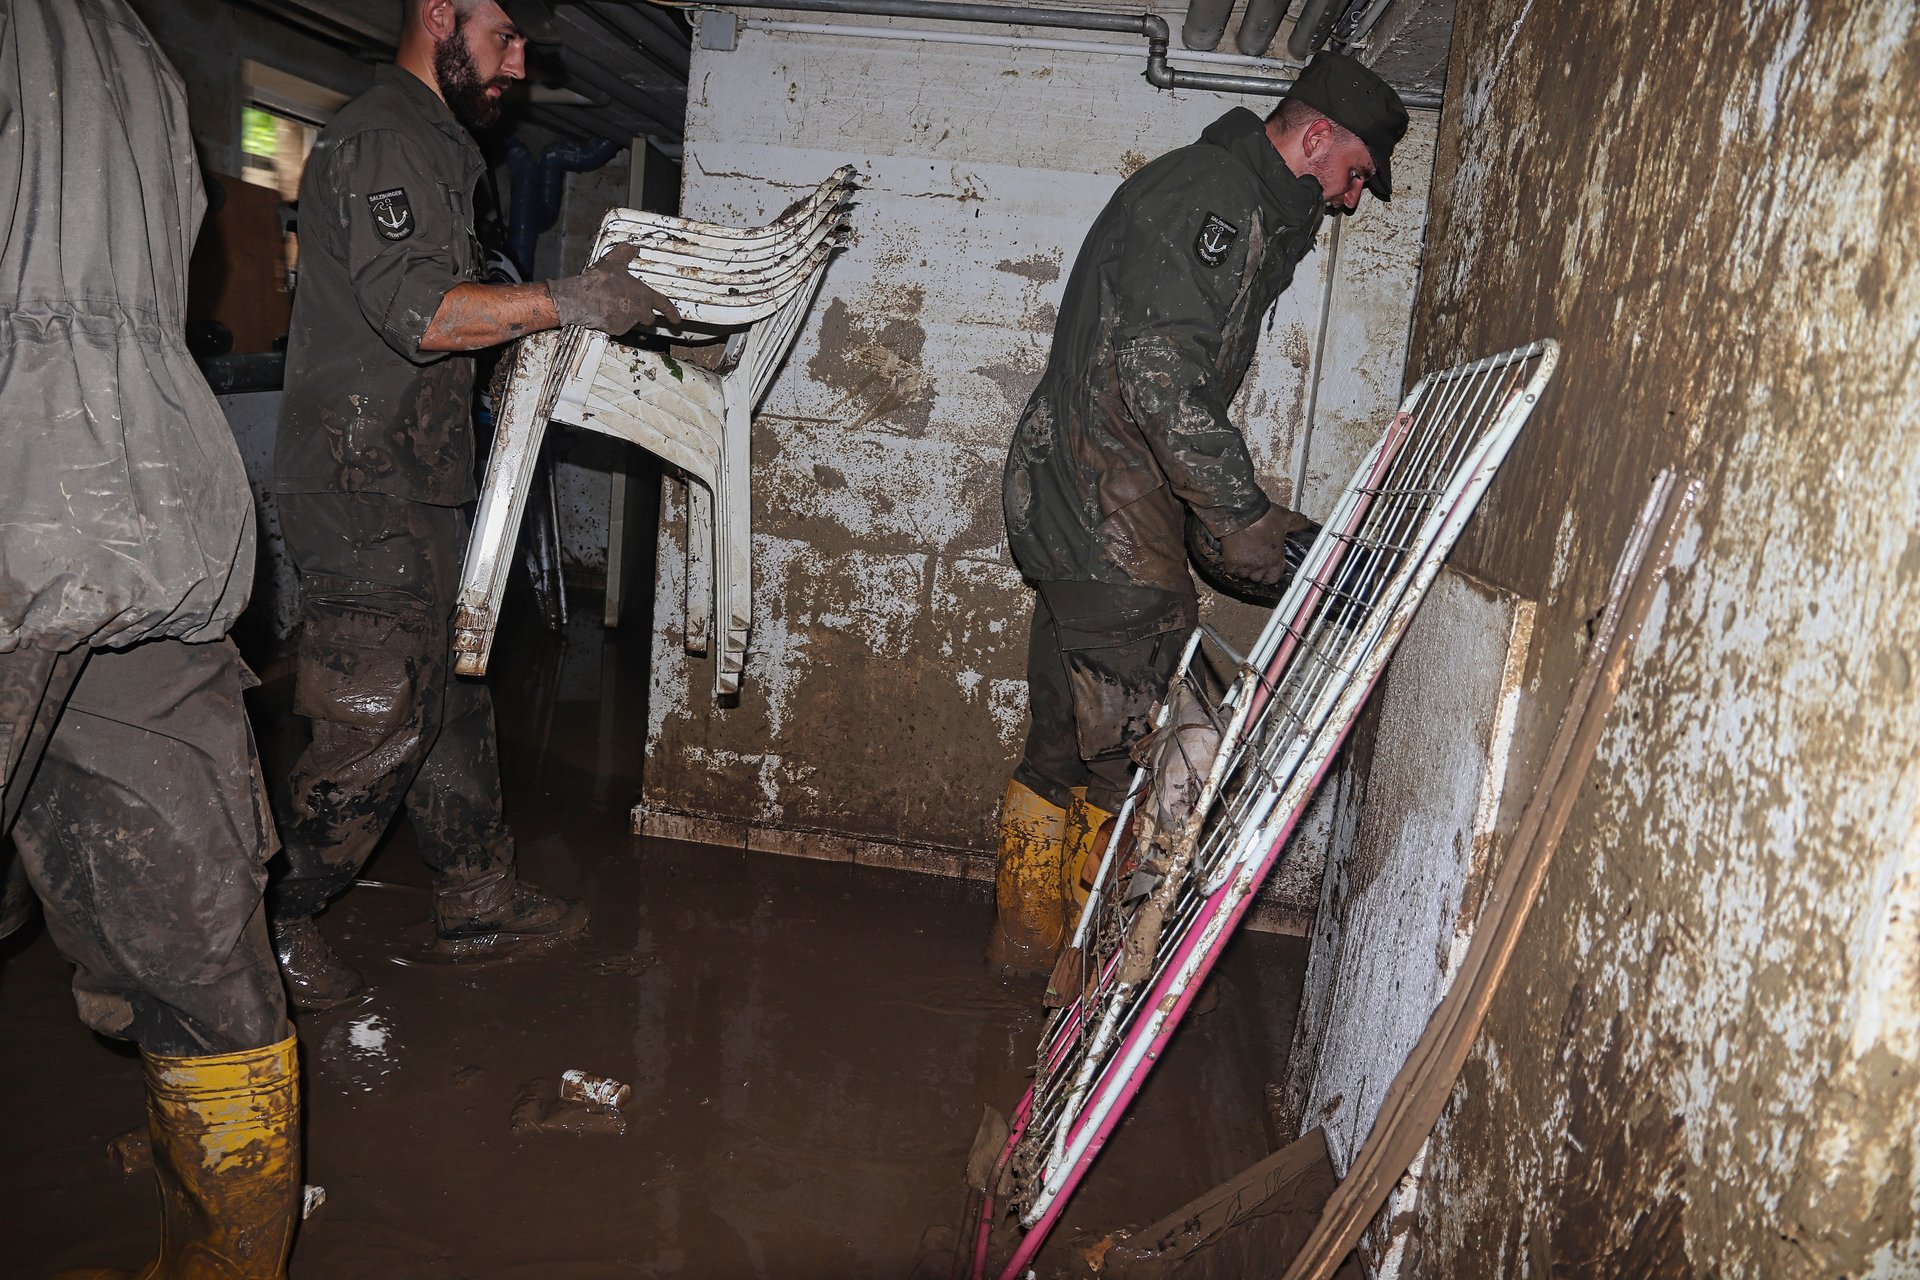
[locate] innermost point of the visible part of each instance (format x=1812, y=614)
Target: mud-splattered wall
x=885, y=697
x=1706, y=1057
x=1407, y=874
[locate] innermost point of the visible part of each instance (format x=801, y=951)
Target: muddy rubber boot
x=1082, y=858
x=226, y=1151
x=316, y=978
x=1029, y=920
x=498, y=910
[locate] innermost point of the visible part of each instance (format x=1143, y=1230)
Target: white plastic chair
x=752, y=286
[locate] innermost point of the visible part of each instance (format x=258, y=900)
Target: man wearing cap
x=1127, y=439
x=373, y=466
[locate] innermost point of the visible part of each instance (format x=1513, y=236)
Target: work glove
x=1269, y=550
x=607, y=296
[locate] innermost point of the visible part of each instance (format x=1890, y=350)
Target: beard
x=460, y=82
x=1330, y=175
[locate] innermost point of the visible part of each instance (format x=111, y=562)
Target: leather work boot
x=316, y=978
x=226, y=1151
x=500, y=910
x=1029, y=921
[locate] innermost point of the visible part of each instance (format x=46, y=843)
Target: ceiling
x=620, y=67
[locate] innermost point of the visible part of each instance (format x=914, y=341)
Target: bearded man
x=373, y=469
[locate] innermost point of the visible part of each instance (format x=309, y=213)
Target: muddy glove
x=1265, y=554
x=607, y=296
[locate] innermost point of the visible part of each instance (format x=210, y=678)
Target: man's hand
x=1258, y=552
x=607, y=296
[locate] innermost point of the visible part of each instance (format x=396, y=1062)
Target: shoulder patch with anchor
x=392, y=215
x=1215, y=238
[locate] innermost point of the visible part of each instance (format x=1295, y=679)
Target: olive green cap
x=1357, y=100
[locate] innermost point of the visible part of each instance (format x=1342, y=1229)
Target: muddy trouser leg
x=34, y=684
x=368, y=676
x=454, y=804
x=1096, y=666
x=391, y=724
x=1050, y=766
x=145, y=833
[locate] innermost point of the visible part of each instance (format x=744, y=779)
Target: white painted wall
x=885, y=696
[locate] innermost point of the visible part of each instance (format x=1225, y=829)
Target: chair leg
x=521, y=425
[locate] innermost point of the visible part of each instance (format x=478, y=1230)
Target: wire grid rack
x=1239, y=745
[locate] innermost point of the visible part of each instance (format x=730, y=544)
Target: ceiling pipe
x=548, y=117
x=1007, y=40
x=1311, y=28
x=656, y=107
x=546, y=95
x=1258, y=24
x=1359, y=20
x=670, y=60
x=647, y=15
x=1149, y=25
x=1206, y=23
x=585, y=124
x=646, y=26
x=609, y=51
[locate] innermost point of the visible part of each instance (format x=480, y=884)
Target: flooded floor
x=810, y=1046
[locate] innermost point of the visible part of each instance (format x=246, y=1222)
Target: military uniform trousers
x=1098, y=658
x=392, y=725
x=134, y=798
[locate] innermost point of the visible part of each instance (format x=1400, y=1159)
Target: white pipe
x=1002, y=40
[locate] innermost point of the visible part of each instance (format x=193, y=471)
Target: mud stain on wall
x=884, y=696
x=1041, y=268
x=874, y=359
x=1722, y=895
x=1623, y=1180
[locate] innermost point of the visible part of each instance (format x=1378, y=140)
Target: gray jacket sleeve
x=1173, y=308
x=397, y=236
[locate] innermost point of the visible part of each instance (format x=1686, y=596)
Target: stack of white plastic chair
x=751, y=286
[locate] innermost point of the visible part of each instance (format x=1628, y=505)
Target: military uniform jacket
x=386, y=229
x=124, y=508
x=1128, y=427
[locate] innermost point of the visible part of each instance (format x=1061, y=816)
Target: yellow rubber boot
x=226, y=1150
x=1084, y=848
x=1029, y=921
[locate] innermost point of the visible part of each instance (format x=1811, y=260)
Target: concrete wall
x=885, y=696
x=1706, y=1055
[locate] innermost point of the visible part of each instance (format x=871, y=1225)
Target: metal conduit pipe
x=1258, y=24
x=1008, y=40
x=655, y=108
x=1311, y=28
x=1206, y=23
x=1150, y=25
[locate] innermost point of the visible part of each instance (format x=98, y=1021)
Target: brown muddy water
x=809, y=1046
